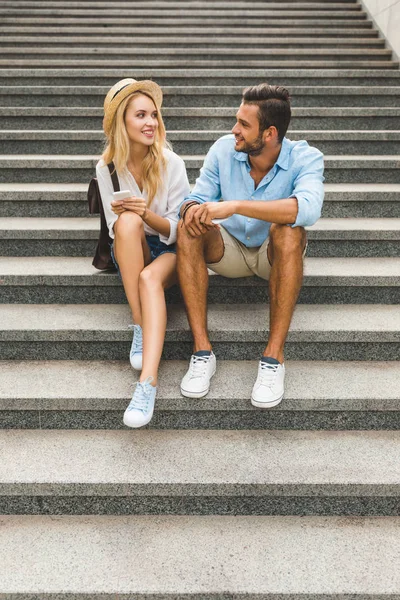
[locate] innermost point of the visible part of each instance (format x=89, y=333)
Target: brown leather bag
x=102, y=259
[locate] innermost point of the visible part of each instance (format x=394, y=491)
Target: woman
x=142, y=226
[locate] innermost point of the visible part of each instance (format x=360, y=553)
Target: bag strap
x=114, y=177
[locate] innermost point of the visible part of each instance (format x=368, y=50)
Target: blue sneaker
x=136, y=354
x=141, y=407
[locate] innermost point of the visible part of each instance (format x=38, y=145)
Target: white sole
x=201, y=394
x=266, y=404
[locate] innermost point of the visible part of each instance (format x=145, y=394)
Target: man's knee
x=185, y=239
x=286, y=239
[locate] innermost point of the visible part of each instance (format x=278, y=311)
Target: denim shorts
x=156, y=247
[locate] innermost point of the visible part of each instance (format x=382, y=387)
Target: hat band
x=120, y=90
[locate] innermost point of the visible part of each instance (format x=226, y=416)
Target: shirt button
x=248, y=238
x=248, y=220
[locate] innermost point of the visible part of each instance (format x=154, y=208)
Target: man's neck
x=262, y=163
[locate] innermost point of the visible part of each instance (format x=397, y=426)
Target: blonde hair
x=118, y=148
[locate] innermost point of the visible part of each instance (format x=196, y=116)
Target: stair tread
x=186, y=462
x=93, y=385
x=193, y=555
x=316, y=322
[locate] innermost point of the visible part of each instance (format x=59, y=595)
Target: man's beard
x=255, y=148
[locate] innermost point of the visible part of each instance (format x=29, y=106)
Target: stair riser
x=199, y=505
x=103, y=350
x=42, y=208
x=27, y=294
x=86, y=247
x=365, y=123
x=84, y=175
x=196, y=54
x=193, y=147
x=232, y=420
x=181, y=101
x=208, y=43
x=30, y=77
x=200, y=63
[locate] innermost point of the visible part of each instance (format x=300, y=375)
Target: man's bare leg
x=192, y=255
x=285, y=252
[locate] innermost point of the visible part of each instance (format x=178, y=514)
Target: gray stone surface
x=199, y=557
x=86, y=385
x=76, y=271
x=241, y=323
x=93, y=395
x=164, y=76
x=273, y=463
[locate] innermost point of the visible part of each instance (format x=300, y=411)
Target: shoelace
x=137, y=346
x=268, y=373
x=198, y=365
x=141, y=396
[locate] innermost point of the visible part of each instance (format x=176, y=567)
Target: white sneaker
x=196, y=382
x=141, y=407
x=269, y=387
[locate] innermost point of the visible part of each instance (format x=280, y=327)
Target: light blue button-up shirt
x=298, y=172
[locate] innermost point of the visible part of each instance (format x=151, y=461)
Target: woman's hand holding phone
x=124, y=200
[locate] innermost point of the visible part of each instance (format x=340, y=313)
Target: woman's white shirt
x=166, y=202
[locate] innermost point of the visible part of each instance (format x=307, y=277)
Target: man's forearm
x=282, y=211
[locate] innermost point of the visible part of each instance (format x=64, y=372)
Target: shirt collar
x=283, y=158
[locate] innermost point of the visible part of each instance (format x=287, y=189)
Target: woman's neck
x=136, y=155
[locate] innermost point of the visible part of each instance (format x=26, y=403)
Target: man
x=271, y=189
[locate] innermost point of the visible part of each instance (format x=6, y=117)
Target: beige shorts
x=240, y=261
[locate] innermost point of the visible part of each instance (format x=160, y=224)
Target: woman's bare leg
x=153, y=280
x=132, y=254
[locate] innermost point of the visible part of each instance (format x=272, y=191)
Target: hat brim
x=148, y=87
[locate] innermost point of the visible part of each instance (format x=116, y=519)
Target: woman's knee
x=287, y=239
x=149, y=279
x=128, y=223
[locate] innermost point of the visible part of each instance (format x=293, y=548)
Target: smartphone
x=122, y=195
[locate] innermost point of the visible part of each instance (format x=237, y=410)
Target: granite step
x=30, y=236
x=80, y=142
x=175, y=11
x=93, y=395
x=175, y=7
x=73, y=280
x=243, y=77
x=206, y=96
x=225, y=31
x=175, y=41
x=206, y=62
x=204, y=472
x=204, y=119
x=80, y=168
x=157, y=3
x=351, y=21
x=199, y=557
x=99, y=332
x=192, y=54
x=355, y=200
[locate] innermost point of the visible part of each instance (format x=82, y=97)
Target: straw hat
x=121, y=90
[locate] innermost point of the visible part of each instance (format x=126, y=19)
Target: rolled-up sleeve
x=309, y=189
x=207, y=187
x=178, y=189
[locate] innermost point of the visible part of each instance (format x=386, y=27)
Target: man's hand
x=192, y=222
x=215, y=210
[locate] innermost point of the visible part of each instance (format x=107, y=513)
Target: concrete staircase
x=216, y=499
